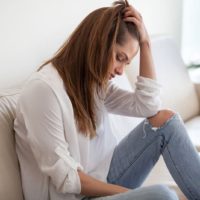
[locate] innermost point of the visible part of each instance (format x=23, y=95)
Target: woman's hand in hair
x=147, y=68
x=130, y=14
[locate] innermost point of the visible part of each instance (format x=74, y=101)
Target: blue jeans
x=138, y=152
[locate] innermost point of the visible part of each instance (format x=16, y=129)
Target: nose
x=119, y=70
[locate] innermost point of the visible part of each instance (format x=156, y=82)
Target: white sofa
x=179, y=94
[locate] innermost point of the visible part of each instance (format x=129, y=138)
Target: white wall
x=191, y=32
x=162, y=16
x=32, y=30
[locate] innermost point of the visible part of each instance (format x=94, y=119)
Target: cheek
x=113, y=66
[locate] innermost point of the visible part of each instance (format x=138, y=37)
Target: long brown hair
x=84, y=60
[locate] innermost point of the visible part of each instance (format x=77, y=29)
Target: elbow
x=151, y=113
x=152, y=109
x=148, y=105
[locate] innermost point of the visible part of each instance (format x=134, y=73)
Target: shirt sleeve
x=42, y=115
x=143, y=102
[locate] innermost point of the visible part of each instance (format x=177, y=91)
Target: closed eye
x=121, y=58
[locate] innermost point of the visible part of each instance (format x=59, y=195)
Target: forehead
x=130, y=47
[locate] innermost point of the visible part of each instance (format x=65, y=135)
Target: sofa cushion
x=10, y=184
x=193, y=128
x=178, y=90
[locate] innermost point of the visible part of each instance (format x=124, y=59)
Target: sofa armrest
x=197, y=87
x=195, y=78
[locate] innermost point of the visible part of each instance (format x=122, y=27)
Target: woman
x=65, y=147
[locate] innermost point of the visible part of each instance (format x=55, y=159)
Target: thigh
x=156, y=192
x=135, y=156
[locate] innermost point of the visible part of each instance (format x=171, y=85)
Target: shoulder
x=44, y=83
x=38, y=96
x=47, y=89
x=41, y=88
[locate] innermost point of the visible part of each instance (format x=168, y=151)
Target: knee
x=160, y=118
x=164, y=193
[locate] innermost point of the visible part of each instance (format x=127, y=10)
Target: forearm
x=93, y=188
x=147, y=68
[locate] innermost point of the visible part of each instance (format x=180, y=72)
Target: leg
x=156, y=192
x=136, y=155
x=180, y=156
x=132, y=160
x=160, y=118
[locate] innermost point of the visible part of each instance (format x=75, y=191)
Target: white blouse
x=48, y=144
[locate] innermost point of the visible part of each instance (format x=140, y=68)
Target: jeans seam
x=131, y=163
x=159, y=131
x=185, y=184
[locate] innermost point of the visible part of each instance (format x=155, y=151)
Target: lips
x=112, y=76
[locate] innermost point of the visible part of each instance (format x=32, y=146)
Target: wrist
x=145, y=42
x=121, y=189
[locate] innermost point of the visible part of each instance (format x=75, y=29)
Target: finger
x=126, y=2
x=133, y=8
x=134, y=20
x=132, y=12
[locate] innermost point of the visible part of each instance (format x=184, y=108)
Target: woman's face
x=122, y=55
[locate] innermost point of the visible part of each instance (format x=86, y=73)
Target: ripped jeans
x=137, y=153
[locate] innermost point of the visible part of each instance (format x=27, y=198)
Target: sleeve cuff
x=67, y=180
x=148, y=82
